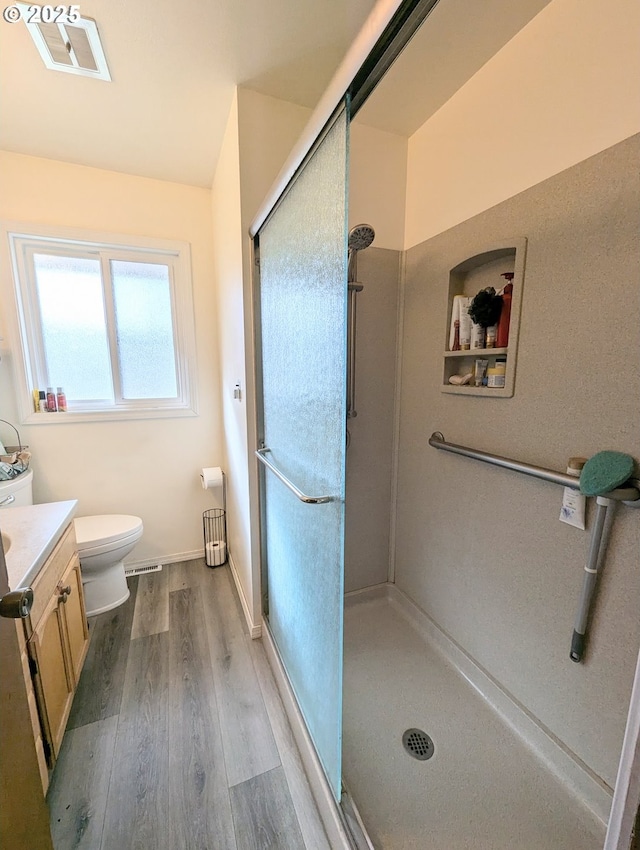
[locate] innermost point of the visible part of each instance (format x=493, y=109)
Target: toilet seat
x=95, y=532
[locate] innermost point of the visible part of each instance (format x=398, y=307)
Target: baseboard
x=585, y=785
x=331, y=815
x=366, y=594
x=165, y=559
x=255, y=630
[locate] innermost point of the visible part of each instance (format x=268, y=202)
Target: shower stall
x=419, y=605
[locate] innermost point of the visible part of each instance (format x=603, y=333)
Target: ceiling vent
x=66, y=41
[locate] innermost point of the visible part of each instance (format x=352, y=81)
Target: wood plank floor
x=178, y=739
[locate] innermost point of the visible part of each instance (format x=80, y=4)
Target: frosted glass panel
x=74, y=332
x=303, y=281
x=144, y=329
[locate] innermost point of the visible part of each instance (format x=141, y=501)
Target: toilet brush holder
x=214, y=522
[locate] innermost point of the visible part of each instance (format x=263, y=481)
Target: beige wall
x=261, y=130
x=377, y=183
x=560, y=91
x=150, y=467
x=370, y=453
x=481, y=549
x=227, y=274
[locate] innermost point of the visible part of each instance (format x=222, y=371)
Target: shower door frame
x=285, y=683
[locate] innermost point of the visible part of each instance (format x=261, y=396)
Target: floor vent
x=418, y=744
x=136, y=571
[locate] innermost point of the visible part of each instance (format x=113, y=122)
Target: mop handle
x=588, y=582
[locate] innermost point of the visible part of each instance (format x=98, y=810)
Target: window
x=109, y=322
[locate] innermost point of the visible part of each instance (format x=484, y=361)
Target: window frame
x=22, y=242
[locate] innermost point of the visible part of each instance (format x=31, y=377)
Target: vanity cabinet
x=57, y=639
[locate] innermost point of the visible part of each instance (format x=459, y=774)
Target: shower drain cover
x=418, y=744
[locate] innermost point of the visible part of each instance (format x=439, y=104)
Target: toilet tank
x=17, y=492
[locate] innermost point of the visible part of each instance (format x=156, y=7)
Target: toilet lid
x=94, y=530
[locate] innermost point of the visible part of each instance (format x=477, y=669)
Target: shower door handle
x=308, y=500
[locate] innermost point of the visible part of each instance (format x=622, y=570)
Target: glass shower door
x=302, y=342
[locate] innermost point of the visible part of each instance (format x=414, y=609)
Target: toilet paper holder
x=214, y=524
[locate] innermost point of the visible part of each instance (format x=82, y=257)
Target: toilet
x=103, y=542
x=17, y=492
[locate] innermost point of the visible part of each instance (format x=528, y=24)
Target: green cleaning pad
x=604, y=472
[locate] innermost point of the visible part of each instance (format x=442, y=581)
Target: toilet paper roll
x=211, y=477
x=216, y=553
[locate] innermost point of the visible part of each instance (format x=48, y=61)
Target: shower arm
x=353, y=289
x=360, y=237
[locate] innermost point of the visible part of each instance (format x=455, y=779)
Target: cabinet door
x=53, y=676
x=75, y=617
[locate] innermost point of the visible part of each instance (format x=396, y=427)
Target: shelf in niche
x=465, y=389
x=480, y=269
x=477, y=352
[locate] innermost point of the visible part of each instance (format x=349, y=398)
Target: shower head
x=360, y=237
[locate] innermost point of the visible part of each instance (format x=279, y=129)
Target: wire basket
x=214, y=526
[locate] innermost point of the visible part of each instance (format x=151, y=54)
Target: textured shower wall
x=369, y=457
x=481, y=549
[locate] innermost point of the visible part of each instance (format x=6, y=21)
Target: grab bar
x=437, y=440
x=308, y=500
x=630, y=495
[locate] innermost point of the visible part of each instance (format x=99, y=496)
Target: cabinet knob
x=17, y=603
x=64, y=593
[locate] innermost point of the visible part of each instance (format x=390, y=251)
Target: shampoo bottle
x=51, y=400
x=62, y=401
x=478, y=336
x=502, y=335
x=465, y=324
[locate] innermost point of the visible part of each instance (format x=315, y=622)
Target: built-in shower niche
x=479, y=270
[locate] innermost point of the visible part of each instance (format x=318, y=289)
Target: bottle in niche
x=42, y=402
x=51, y=401
x=502, y=335
x=456, y=336
x=478, y=336
x=496, y=373
x=62, y=401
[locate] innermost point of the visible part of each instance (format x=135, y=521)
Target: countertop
x=33, y=532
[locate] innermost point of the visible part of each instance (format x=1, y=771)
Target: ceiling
x=454, y=42
x=174, y=67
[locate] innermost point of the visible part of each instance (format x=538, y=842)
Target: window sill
x=76, y=417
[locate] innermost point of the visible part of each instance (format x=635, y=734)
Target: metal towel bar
x=621, y=494
x=308, y=500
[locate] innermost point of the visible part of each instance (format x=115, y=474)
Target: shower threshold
x=482, y=789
